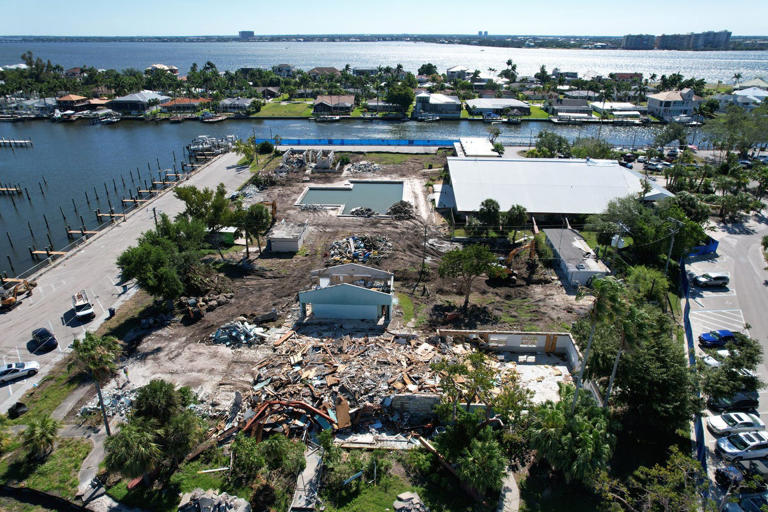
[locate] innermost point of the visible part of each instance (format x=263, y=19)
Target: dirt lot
x=176, y=352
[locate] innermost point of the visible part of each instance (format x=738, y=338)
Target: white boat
x=327, y=119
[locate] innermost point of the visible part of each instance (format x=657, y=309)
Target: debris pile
x=292, y=161
x=208, y=501
x=238, y=333
x=401, y=210
x=409, y=502
x=363, y=166
x=117, y=402
x=208, y=303
x=360, y=249
x=362, y=211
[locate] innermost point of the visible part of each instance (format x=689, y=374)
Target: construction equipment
x=517, y=250
x=272, y=205
x=11, y=298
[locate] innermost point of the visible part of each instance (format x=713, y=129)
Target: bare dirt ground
x=179, y=353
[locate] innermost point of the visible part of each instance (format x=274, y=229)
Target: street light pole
x=671, y=242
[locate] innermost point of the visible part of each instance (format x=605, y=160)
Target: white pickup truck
x=82, y=306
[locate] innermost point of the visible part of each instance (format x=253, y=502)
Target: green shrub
x=265, y=148
x=344, y=160
x=544, y=251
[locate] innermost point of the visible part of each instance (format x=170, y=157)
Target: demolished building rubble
x=363, y=166
x=409, y=502
x=209, y=501
x=359, y=249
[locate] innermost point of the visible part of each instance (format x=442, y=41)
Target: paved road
x=743, y=305
x=93, y=268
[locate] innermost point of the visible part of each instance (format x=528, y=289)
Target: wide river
x=712, y=66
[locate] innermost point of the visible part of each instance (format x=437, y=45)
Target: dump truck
x=82, y=306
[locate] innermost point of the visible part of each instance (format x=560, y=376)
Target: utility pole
x=671, y=242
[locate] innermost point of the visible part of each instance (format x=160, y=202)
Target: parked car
x=43, y=340
x=734, y=422
x=626, y=164
x=728, y=477
x=744, y=445
x=711, y=279
x=747, y=164
x=716, y=338
x=13, y=371
x=710, y=361
x=754, y=503
x=741, y=401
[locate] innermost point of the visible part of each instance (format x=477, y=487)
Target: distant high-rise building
x=698, y=41
x=246, y=34
x=479, y=33
x=638, y=42
x=485, y=33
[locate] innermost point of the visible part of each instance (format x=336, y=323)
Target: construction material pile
x=362, y=211
x=208, y=501
x=117, y=402
x=359, y=249
x=363, y=166
x=401, y=210
x=292, y=161
x=237, y=334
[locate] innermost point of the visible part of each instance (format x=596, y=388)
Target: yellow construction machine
x=11, y=298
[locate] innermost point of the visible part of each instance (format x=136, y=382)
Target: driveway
x=91, y=267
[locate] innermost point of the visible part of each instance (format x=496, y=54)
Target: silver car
x=733, y=422
x=744, y=445
x=13, y=371
x=711, y=279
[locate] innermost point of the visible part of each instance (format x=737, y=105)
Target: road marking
x=18, y=353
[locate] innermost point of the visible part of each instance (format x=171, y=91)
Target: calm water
x=712, y=66
x=75, y=158
x=376, y=196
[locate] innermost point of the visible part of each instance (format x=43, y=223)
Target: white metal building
x=349, y=291
x=544, y=185
x=286, y=237
x=575, y=258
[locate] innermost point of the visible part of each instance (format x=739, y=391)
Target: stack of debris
x=362, y=211
x=360, y=249
x=293, y=161
x=409, y=502
x=117, y=402
x=208, y=501
x=208, y=303
x=401, y=210
x=363, y=166
x=238, y=334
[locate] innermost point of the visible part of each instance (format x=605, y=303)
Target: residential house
x=162, y=67
x=576, y=261
x=581, y=94
x=137, y=103
x=755, y=82
x=383, y=106
x=39, y=106
x=532, y=94
x=349, y=291
x=502, y=93
x=316, y=73
x=498, y=106
x=747, y=99
x=457, y=73
x=74, y=73
x=669, y=104
x=342, y=104
x=184, y=104
x=364, y=71
x=626, y=77
x=268, y=93
x=567, y=106
x=284, y=70
x=566, y=75
x=235, y=104
x=616, y=108
x=448, y=107
x=102, y=90
x=72, y=102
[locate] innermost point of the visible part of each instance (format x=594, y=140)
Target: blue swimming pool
x=376, y=195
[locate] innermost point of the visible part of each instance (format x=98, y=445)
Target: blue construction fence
x=360, y=142
x=709, y=247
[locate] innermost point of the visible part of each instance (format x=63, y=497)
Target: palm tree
x=97, y=354
x=40, y=436
x=253, y=221
x=628, y=320
x=133, y=451
x=736, y=79
x=607, y=292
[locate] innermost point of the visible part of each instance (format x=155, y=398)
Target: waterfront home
x=747, y=99
x=349, y=291
x=531, y=94
x=284, y=70
x=448, y=107
x=502, y=93
x=457, y=73
x=74, y=73
x=96, y=103
x=482, y=106
x=581, y=94
x=669, y=104
x=383, y=106
x=364, y=71
x=162, y=67
x=235, y=104
x=102, y=90
x=268, y=93
x=137, y=103
x=316, y=73
x=184, y=104
x=622, y=108
x=567, y=106
x=39, y=106
x=565, y=75
x=542, y=185
x=342, y=104
x=755, y=82
x=72, y=102
x=626, y=77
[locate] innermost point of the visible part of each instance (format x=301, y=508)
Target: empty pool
x=376, y=195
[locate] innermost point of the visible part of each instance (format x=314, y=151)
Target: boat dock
x=15, y=143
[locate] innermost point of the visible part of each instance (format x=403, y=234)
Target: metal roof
x=544, y=185
x=571, y=247
x=496, y=103
x=142, y=97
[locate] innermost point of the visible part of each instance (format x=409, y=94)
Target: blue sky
x=207, y=17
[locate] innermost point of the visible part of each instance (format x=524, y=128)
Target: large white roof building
x=542, y=185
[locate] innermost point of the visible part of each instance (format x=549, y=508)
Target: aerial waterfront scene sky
x=207, y=17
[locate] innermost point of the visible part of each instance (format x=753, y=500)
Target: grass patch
x=50, y=392
x=285, y=110
x=127, y=316
x=677, y=308
x=57, y=474
x=436, y=160
x=11, y=505
x=537, y=113
x=406, y=305
x=157, y=500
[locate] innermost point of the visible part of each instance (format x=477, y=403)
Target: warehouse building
x=349, y=291
x=576, y=260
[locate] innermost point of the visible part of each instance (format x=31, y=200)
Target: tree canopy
x=465, y=265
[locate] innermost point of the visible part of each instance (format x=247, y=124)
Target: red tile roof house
x=184, y=104
x=72, y=102
x=342, y=104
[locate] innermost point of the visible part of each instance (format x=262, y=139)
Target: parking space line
x=18, y=353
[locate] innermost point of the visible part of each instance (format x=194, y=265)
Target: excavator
x=503, y=269
x=11, y=298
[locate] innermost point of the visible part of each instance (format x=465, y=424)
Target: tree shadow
x=454, y=316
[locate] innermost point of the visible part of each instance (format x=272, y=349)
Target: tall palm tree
x=97, y=354
x=40, y=436
x=607, y=292
x=736, y=79
x=628, y=321
x=133, y=451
